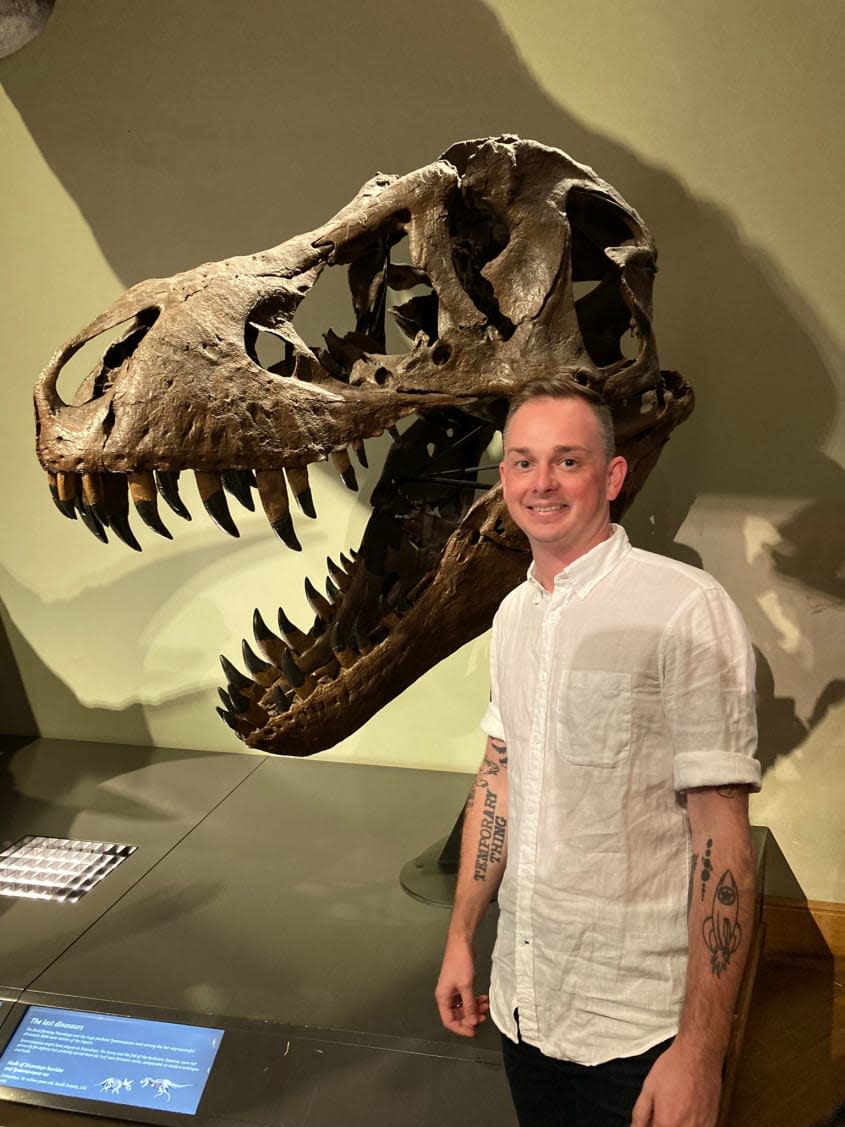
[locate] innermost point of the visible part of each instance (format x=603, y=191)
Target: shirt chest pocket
x=593, y=718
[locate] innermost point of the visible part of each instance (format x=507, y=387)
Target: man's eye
x=569, y=463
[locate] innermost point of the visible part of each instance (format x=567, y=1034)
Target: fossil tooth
x=272, y=646
x=142, y=489
x=346, y=563
x=234, y=678
x=298, y=478
x=339, y=576
x=331, y=590
x=65, y=506
x=345, y=469
x=274, y=498
x=68, y=485
x=303, y=683
x=253, y=662
x=232, y=721
x=239, y=483
x=122, y=529
x=89, y=519
x=394, y=433
x=213, y=498
x=168, y=487
x=321, y=607
x=241, y=725
x=362, y=639
x=360, y=452
x=278, y=701
x=115, y=502
x=295, y=638
x=344, y=654
x=246, y=707
x=94, y=497
x=293, y=674
x=327, y=672
x=226, y=700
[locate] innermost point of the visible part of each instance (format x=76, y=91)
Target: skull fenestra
x=519, y=261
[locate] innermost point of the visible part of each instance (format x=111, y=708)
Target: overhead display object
x=501, y=261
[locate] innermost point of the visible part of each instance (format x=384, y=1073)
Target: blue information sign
x=120, y=1060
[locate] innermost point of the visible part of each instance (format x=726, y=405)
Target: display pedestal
x=263, y=899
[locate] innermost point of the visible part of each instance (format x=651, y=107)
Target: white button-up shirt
x=629, y=683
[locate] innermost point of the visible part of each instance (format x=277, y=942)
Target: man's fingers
x=461, y=1011
x=641, y=1115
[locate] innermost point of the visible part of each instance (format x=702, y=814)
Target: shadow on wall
x=198, y=132
x=16, y=716
x=131, y=604
x=17, y=657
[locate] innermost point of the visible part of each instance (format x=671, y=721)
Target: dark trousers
x=559, y=1093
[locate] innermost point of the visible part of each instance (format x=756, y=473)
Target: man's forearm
x=721, y=911
x=483, y=842
x=684, y=1085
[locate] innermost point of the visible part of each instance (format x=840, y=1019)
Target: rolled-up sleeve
x=707, y=682
x=491, y=721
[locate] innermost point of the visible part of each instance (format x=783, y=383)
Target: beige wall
x=137, y=140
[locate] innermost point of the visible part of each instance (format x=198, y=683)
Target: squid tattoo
x=722, y=930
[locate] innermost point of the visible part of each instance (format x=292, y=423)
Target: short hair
x=565, y=387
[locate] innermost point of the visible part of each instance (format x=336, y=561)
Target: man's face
x=556, y=478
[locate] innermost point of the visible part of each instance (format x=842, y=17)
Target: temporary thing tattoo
x=722, y=931
x=491, y=837
x=706, y=867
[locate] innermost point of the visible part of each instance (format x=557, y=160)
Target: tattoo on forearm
x=722, y=930
x=706, y=866
x=501, y=750
x=491, y=838
x=729, y=791
x=692, y=868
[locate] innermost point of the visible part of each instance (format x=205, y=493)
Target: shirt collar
x=583, y=574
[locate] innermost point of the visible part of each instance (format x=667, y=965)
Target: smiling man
x=620, y=752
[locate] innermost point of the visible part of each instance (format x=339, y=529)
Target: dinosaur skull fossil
x=522, y=262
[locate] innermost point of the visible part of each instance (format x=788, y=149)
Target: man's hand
x=681, y=1090
x=461, y=1011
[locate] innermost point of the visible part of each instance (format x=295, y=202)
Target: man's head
x=559, y=471
x=565, y=387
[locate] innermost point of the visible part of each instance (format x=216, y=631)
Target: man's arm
x=684, y=1086
x=483, y=853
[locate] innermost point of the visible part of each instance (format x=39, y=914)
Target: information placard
x=103, y=1057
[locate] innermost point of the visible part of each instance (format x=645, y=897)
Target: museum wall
x=140, y=139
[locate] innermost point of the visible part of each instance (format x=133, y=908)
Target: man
x=611, y=804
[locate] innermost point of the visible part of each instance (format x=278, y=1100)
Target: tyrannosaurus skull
x=515, y=261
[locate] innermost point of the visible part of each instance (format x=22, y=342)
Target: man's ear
x=616, y=474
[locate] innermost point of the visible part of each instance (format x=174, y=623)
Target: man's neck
x=550, y=560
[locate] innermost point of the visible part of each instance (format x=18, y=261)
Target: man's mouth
x=548, y=508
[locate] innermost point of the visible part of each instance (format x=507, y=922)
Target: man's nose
x=545, y=479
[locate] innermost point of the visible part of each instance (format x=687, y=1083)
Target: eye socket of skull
x=604, y=316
